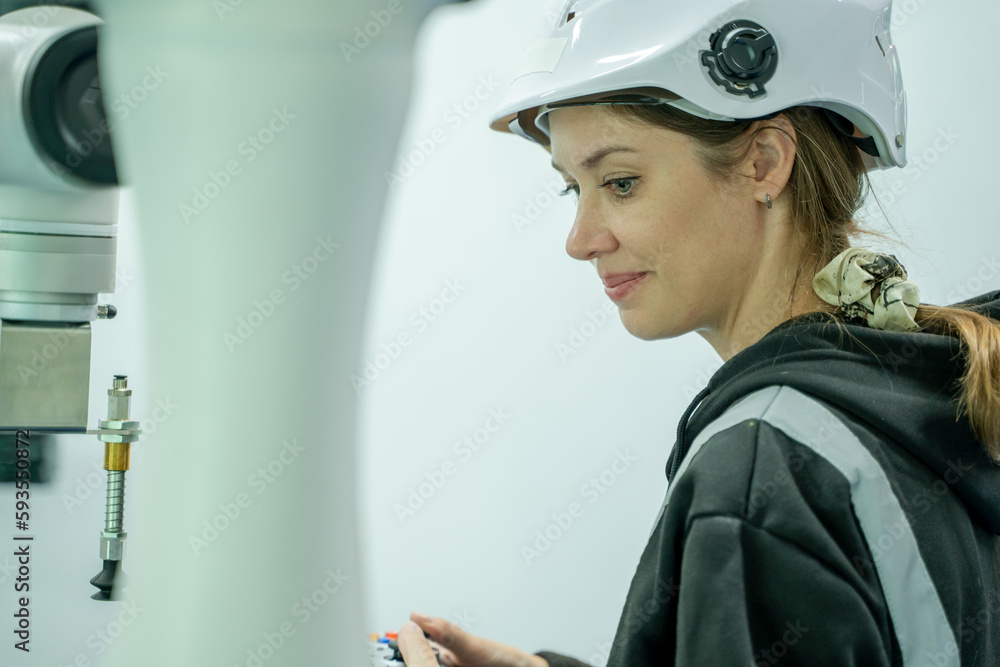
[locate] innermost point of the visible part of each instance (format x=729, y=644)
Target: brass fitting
x=116, y=455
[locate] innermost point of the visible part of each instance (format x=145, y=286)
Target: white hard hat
x=719, y=60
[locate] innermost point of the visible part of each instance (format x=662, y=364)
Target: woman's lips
x=619, y=285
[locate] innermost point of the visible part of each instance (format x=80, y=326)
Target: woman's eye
x=575, y=189
x=621, y=188
x=622, y=185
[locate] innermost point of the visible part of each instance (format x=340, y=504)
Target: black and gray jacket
x=826, y=507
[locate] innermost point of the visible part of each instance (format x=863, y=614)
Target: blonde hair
x=827, y=186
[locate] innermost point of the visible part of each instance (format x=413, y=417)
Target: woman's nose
x=589, y=236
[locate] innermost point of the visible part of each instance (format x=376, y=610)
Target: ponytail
x=980, y=385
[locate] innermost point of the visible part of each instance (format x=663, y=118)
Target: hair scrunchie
x=849, y=280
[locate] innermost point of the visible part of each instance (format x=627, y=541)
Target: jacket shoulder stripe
x=924, y=635
x=751, y=406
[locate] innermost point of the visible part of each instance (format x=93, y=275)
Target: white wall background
x=495, y=348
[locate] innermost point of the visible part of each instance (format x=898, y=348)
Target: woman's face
x=674, y=249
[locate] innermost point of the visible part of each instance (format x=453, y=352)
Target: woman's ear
x=771, y=157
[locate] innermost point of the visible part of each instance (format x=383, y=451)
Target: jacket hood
x=901, y=384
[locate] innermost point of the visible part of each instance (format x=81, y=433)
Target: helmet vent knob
x=743, y=56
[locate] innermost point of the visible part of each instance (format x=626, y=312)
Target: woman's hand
x=458, y=647
x=415, y=649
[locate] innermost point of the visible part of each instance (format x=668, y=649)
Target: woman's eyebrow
x=595, y=159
